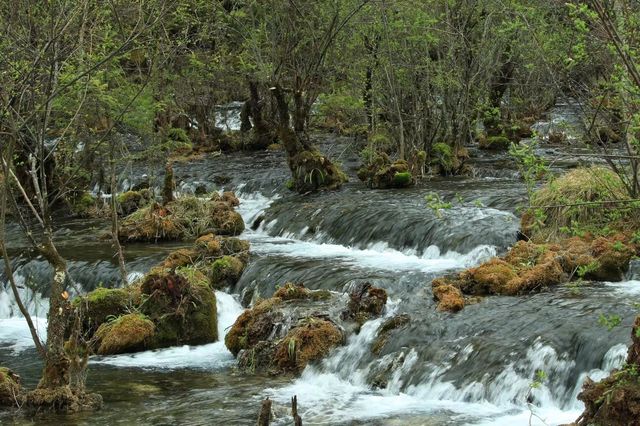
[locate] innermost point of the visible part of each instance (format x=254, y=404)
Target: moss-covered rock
x=127, y=333
x=494, y=143
x=254, y=325
x=444, y=160
x=131, y=201
x=297, y=326
x=98, y=306
x=184, y=218
x=312, y=171
x=615, y=400
x=225, y=272
x=449, y=297
x=181, y=305
x=11, y=393
x=85, y=205
x=530, y=267
x=310, y=341
x=381, y=173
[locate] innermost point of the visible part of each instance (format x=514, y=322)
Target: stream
x=475, y=367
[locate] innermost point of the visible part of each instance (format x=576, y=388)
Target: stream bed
x=474, y=367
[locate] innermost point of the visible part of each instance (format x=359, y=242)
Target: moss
x=102, y=303
x=387, y=328
x=490, y=277
x=307, y=342
x=11, y=393
x=613, y=257
x=274, y=147
x=291, y=291
x=131, y=201
x=449, y=297
x=402, y=179
x=495, y=143
x=209, y=245
x=128, y=333
x=84, y=205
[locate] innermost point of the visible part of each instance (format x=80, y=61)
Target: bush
x=342, y=113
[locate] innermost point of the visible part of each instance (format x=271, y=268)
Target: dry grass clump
x=128, y=333
x=575, y=202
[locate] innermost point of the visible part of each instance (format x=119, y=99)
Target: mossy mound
x=365, y=302
x=284, y=333
x=312, y=171
x=101, y=304
x=381, y=173
x=292, y=291
x=128, y=333
x=181, y=305
x=447, y=161
x=310, y=341
x=590, y=199
x=494, y=143
x=449, y=298
x=615, y=400
x=11, y=393
x=225, y=271
x=387, y=328
x=530, y=267
x=254, y=325
x=130, y=201
x=184, y=218
x=221, y=259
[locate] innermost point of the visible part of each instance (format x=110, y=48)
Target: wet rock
x=11, y=394
x=365, y=302
x=127, y=333
x=615, y=400
x=184, y=218
x=387, y=328
x=291, y=291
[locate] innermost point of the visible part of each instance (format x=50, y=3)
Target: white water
x=337, y=391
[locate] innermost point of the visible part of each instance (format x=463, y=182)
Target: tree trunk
x=263, y=135
x=310, y=169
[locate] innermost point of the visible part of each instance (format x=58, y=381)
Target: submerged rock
x=387, y=328
x=297, y=326
x=615, y=400
x=184, y=218
x=11, y=393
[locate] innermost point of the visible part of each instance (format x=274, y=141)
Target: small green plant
x=609, y=321
x=618, y=246
x=584, y=270
x=539, y=379
x=291, y=349
x=435, y=203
